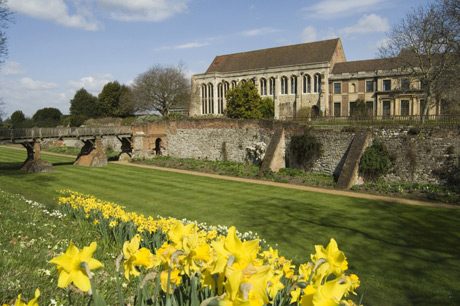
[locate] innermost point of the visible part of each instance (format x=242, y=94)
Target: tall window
x=306, y=84
x=337, y=88
x=386, y=85
x=293, y=85
x=263, y=87
x=204, y=96
x=234, y=83
x=272, y=87
x=369, y=86
x=370, y=107
x=337, y=109
x=404, y=107
x=220, y=98
x=284, y=85
x=210, y=99
x=317, y=83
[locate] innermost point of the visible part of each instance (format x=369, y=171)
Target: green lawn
x=404, y=255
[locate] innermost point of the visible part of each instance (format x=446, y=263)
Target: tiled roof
x=365, y=65
x=314, y=52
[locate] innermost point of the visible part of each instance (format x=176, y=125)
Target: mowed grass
x=404, y=255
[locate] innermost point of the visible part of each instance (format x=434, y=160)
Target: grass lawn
x=404, y=255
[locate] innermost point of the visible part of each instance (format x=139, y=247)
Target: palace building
x=312, y=76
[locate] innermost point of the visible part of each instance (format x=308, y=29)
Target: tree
x=161, y=88
x=267, y=108
x=115, y=100
x=17, y=119
x=5, y=19
x=83, y=106
x=47, y=117
x=425, y=44
x=244, y=102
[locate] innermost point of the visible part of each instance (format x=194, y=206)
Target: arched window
x=293, y=85
x=284, y=85
x=272, y=87
x=210, y=99
x=234, y=83
x=317, y=83
x=222, y=89
x=243, y=81
x=204, y=99
x=306, y=84
x=220, y=98
x=263, y=87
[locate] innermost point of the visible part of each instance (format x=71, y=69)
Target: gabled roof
x=365, y=65
x=314, y=52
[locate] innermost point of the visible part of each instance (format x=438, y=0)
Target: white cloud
x=191, y=45
x=30, y=95
x=92, y=84
x=28, y=83
x=261, y=31
x=143, y=10
x=308, y=34
x=367, y=24
x=381, y=43
x=13, y=68
x=333, y=8
x=57, y=11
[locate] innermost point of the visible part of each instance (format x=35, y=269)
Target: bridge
x=92, y=152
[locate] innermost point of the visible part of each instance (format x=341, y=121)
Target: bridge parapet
x=20, y=135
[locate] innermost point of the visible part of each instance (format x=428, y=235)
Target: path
x=283, y=185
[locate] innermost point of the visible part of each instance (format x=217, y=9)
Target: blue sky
x=59, y=46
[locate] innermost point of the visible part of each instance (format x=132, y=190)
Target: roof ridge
x=279, y=47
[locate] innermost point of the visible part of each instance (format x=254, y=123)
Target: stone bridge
x=92, y=152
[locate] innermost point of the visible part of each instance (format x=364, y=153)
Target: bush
x=306, y=149
x=375, y=161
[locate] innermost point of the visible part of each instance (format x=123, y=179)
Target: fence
x=431, y=120
x=33, y=133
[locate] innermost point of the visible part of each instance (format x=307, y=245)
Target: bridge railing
x=34, y=133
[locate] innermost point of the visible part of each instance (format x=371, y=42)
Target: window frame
x=337, y=88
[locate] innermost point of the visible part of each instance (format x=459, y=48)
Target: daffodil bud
x=302, y=285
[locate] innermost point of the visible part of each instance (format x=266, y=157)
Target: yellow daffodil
x=241, y=253
x=174, y=280
x=336, y=260
x=70, y=266
x=135, y=257
x=329, y=294
x=32, y=302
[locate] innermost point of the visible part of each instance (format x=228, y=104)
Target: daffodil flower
x=135, y=257
x=336, y=260
x=71, y=269
x=32, y=302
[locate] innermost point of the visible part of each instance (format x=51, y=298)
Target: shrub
x=306, y=149
x=375, y=161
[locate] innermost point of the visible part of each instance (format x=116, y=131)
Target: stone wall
x=420, y=155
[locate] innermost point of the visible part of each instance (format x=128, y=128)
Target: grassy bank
x=404, y=255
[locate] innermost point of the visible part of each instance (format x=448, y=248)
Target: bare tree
x=425, y=44
x=5, y=19
x=161, y=88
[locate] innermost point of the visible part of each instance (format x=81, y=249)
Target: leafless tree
x=425, y=44
x=5, y=19
x=161, y=88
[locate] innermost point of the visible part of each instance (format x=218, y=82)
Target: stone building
x=386, y=90
x=312, y=76
x=293, y=76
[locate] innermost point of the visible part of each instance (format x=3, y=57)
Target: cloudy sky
x=59, y=46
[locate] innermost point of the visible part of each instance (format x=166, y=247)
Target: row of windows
x=386, y=108
x=370, y=86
